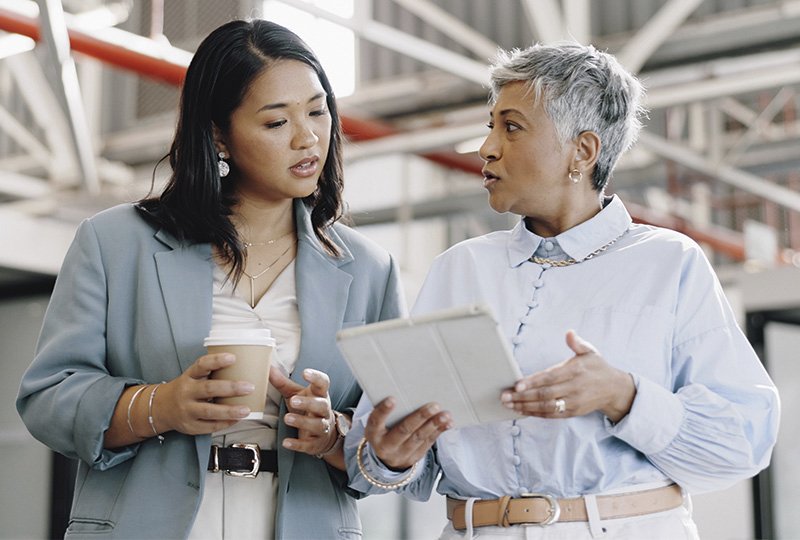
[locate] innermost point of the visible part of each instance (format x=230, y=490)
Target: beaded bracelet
x=150, y=414
x=377, y=483
x=130, y=406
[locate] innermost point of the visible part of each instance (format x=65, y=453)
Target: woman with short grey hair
x=638, y=386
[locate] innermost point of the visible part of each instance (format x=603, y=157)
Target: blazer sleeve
x=67, y=396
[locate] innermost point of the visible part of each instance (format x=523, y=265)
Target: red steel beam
x=172, y=72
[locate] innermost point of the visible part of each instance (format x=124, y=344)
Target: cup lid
x=239, y=336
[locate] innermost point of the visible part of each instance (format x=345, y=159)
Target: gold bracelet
x=378, y=483
x=130, y=406
x=150, y=414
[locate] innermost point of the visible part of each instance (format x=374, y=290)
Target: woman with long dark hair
x=245, y=234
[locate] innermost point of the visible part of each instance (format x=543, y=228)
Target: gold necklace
x=253, y=278
x=267, y=242
x=569, y=262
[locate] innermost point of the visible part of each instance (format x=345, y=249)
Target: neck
x=572, y=213
x=260, y=221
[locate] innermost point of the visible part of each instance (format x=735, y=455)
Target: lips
x=305, y=167
x=489, y=178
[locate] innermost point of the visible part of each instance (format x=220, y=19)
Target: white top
x=277, y=311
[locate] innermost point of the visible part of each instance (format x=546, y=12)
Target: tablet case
x=457, y=357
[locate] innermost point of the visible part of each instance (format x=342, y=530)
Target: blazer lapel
x=322, y=292
x=185, y=277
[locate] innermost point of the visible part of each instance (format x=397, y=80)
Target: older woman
x=638, y=386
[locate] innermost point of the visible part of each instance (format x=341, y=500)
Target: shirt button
x=533, y=304
x=516, y=460
x=524, y=491
x=538, y=283
x=548, y=245
x=546, y=266
x=516, y=340
x=515, y=431
x=524, y=320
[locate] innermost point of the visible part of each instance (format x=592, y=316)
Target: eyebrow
x=504, y=112
x=272, y=106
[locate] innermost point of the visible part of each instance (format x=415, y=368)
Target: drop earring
x=223, y=166
x=575, y=175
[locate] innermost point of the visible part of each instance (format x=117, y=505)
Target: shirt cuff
x=379, y=471
x=654, y=420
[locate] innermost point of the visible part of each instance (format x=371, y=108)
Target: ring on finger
x=326, y=426
x=561, y=406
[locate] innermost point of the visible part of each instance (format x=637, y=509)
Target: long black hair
x=196, y=203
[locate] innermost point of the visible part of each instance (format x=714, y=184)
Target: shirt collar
x=577, y=242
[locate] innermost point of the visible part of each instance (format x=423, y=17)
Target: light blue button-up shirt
x=705, y=413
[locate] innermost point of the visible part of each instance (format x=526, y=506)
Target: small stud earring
x=223, y=166
x=575, y=175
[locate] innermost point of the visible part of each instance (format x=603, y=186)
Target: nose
x=304, y=136
x=489, y=150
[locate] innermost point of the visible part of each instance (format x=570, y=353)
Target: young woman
x=244, y=235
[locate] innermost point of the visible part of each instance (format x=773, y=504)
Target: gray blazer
x=131, y=305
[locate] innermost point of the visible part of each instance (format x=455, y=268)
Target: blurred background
x=88, y=96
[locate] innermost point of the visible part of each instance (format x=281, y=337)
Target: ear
x=219, y=140
x=587, y=150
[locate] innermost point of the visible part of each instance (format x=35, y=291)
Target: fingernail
x=520, y=387
x=433, y=408
x=289, y=419
x=228, y=358
x=308, y=372
x=508, y=405
x=287, y=444
x=246, y=387
x=242, y=411
x=296, y=401
x=505, y=396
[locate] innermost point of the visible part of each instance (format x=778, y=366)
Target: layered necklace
x=570, y=261
x=254, y=277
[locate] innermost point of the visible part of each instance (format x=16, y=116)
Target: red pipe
x=145, y=64
x=356, y=129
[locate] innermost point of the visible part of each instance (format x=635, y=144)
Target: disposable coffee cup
x=253, y=350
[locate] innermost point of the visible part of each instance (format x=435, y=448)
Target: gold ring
x=326, y=426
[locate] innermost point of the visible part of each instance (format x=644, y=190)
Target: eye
x=275, y=125
x=512, y=127
x=490, y=125
x=320, y=112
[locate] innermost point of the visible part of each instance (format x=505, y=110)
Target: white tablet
x=457, y=357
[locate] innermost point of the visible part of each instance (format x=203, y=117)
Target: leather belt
x=542, y=509
x=242, y=459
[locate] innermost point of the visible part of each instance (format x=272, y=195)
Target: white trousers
x=674, y=524
x=236, y=508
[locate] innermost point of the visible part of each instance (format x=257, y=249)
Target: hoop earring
x=575, y=175
x=223, y=166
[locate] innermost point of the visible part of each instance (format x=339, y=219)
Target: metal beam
x=451, y=26
x=721, y=78
x=730, y=175
x=54, y=33
x=578, y=20
x=414, y=141
x=403, y=43
x=655, y=32
x=759, y=126
x=156, y=60
x=545, y=18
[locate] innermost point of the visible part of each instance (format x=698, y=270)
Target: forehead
x=285, y=81
x=516, y=96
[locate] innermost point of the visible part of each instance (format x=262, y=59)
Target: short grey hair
x=581, y=89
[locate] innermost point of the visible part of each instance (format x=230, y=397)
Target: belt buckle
x=256, y=460
x=555, y=509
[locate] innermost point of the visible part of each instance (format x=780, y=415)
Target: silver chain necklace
x=570, y=262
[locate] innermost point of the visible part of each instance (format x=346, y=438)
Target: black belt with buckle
x=242, y=459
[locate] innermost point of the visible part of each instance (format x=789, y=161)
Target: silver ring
x=561, y=406
x=326, y=426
